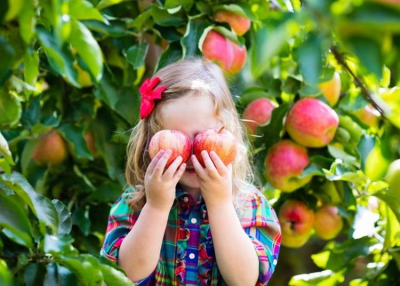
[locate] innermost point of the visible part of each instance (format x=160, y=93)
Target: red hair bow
x=148, y=95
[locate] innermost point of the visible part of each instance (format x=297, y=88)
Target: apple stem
x=220, y=130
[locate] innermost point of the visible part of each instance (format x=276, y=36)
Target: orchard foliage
x=69, y=77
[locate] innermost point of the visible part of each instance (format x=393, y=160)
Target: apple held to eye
x=221, y=141
x=174, y=140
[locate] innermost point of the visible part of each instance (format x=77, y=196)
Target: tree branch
x=340, y=58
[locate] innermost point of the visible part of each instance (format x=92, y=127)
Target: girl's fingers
x=154, y=162
x=200, y=171
x=218, y=163
x=209, y=164
x=179, y=172
x=169, y=173
x=159, y=168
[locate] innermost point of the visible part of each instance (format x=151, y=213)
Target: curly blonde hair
x=188, y=77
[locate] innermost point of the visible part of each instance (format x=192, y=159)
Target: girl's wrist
x=162, y=210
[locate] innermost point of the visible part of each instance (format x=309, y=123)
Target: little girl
x=185, y=224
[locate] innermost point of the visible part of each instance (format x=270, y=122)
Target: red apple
x=90, y=142
x=258, y=113
x=331, y=89
x=312, y=123
x=239, y=24
x=221, y=141
x=50, y=150
x=328, y=223
x=296, y=223
x=284, y=164
x=369, y=116
x=239, y=58
x=217, y=48
x=174, y=140
x=227, y=54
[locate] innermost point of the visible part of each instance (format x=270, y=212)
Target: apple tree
x=317, y=84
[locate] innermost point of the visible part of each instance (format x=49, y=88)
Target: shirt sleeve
x=120, y=221
x=261, y=224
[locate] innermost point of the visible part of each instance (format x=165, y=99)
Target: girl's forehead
x=189, y=113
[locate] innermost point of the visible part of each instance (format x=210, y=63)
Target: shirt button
x=185, y=199
x=193, y=220
x=192, y=256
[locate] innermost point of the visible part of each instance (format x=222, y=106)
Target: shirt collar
x=184, y=198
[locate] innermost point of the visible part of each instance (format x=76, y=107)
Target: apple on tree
x=331, y=89
x=296, y=223
x=50, y=150
x=393, y=176
x=174, y=140
x=284, y=164
x=258, y=113
x=227, y=54
x=328, y=223
x=312, y=123
x=221, y=141
x=239, y=24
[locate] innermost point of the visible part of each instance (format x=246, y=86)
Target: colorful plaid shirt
x=187, y=255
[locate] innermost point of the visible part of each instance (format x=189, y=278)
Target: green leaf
x=107, y=192
x=85, y=267
x=136, y=54
x=88, y=48
x=74, y=135
x=107, y=3
x=392, y=199
x=337, y=255
x=364, y=147
x=113, y=276
x=5, y=151
x=114, y=29
x=34, y=274
x=194, y=30
x=60, y=244
x=64, y=217
x=169, y=4
x=80, y=218
x=369, y=53
x=316, y=166
x=353, y=128
x=7, y=58
x=234, y=8
x=40, y=205
x=5, y=274
x=14, y=219
x=163, y=18
x=60, y=60
x=340, y=154
x=123, y=100
x=15, y=6
x=84, y=10
x=172, y=54
x=268, y=41
x=31, y=67
x=310, y=59
x=323, y=278
x=27, y=21
x=10, y=109
x=372, y=17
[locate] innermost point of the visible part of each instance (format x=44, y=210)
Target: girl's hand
x=159, y=184
x=215, y=179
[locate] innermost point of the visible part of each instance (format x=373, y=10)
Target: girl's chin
x=189, y=179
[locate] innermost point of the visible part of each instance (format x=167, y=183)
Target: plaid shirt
x=187, y=255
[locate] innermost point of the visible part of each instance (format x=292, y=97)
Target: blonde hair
x=188, y=77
